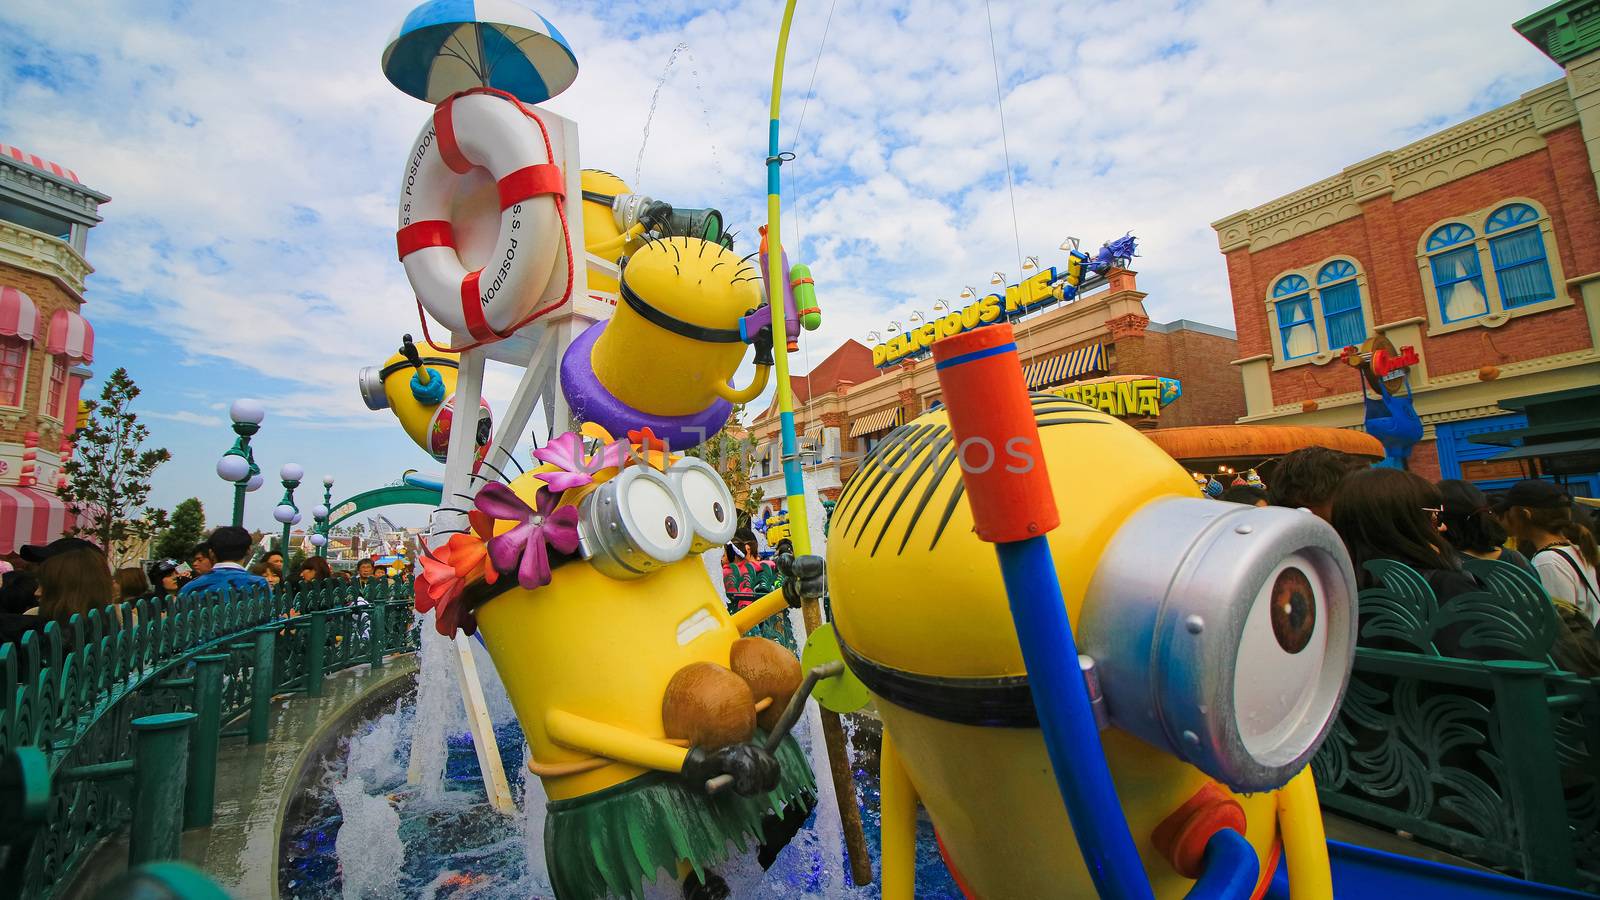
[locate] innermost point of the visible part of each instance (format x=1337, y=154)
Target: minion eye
x=706, y=500
x=1224, y=634
x=633, y=524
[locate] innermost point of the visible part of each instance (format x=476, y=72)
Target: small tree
x=108, y=477
x=729, y=452
x=188, y=528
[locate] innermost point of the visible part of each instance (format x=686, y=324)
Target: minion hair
x=674, y=248
x=745, y=259
x=909, y=473
x=716, y=264
x=702, y=253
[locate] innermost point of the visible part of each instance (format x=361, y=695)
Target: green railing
x=115, y=720
x=1495, y=761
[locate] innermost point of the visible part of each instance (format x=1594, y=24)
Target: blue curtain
x=1341, y=312
x=1459, y=282
x=1521, y=268
x=1297, y=335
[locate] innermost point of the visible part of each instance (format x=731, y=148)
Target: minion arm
x=578, y=733
x=759, y=611
x=899, y=837
x=749, y=393
x=1305, y=845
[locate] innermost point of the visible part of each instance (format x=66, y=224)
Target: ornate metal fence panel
x=97, y=711
x=1491, y=758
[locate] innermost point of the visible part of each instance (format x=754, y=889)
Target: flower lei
x=524, y=550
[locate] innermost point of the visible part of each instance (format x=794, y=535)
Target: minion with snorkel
x=421, y=392
x=686, y=308
x=631, y=680
x=1217, y=641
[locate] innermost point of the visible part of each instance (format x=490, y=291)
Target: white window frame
x=27, y=369
x=1498, y=314
x=1324, y=353
x=54, y=415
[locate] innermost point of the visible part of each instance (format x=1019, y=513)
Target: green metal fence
x=1495, y=761
x=114, y=721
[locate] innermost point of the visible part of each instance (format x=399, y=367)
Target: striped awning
x=1065, y=367
x=43, y=165
x=30, y=516
x=71, y=336
x=19, y=317
x=874, y=422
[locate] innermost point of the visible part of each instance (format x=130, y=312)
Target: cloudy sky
x=253, y=153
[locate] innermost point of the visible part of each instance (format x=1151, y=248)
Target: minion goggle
x=644, y=519
x=663, y=218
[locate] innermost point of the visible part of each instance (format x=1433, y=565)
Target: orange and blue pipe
x=1013, y=507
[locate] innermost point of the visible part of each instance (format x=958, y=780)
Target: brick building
x=45, y=343
x=1478, y=245
x=1100, y=347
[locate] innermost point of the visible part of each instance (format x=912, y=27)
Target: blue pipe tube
x=1229, y=869
x=1070, y=732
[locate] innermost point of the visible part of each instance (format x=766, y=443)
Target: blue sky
x=253, y=154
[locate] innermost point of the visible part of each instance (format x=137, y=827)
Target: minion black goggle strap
x=404, y=364
x=674, y=324
x=1000, y=702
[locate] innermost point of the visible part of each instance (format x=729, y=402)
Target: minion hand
x=754, y=770
x=804, y=577
x=763, y=345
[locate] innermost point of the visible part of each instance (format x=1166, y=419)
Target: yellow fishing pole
x=793, y=483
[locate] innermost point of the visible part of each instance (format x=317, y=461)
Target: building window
x=1341, y=304
x=1512, y=241
x=1457, y=277
x=1297, y=336
x=58, y=387
x=1517, y=250
x=13, y=370
x=1318, y=311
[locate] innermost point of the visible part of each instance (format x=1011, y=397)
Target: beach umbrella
x=447, y=46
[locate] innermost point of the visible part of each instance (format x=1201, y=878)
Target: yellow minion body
x=660, y=371
x=586, y=661
x=946, y=671
x=426, y=423
x=602, y=235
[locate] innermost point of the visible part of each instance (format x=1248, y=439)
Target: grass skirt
x=614, y=841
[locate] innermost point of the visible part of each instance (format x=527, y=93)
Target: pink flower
x=525, y=548
x=573, y=468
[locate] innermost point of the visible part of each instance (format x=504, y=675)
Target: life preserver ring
x=492, y=132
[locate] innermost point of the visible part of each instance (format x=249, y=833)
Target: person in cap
x=1539, y=515
x=164, y=578
x=230, y=544
x=38, y=553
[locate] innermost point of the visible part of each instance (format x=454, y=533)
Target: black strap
x=597, y=197
x=1576, y=569
x=675, y=325
x=392, y=368
x=1002, y=702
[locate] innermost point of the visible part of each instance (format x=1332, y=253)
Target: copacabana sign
x=1043, y=288
x=1123, y=395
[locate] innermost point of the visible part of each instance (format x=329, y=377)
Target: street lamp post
x=238, y=465
x=286, y=512
x=321, y=513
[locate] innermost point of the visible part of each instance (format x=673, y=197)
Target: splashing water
x=371, y=855
x=680, y=49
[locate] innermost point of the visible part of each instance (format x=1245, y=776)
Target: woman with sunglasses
x=1392, y=514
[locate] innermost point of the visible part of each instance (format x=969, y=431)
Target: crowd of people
x=1384, y=513
x=43, y=583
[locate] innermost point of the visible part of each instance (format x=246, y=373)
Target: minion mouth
x=701, y=622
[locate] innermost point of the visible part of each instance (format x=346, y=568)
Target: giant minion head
x=1222, y=637
x=420, y=390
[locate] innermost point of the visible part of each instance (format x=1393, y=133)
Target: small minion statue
x=633, y=683
x=666, y=358
x=420, y=391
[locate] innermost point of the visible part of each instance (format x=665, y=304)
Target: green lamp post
x=238, y=465
x=286, y=512
x=320, y=514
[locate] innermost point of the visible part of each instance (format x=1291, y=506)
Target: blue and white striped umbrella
x=446, y=46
